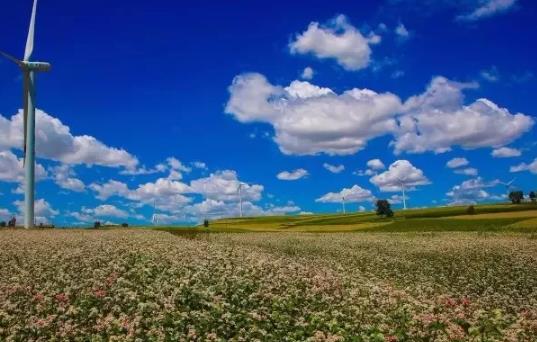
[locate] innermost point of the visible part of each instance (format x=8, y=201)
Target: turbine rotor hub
x=35, y=66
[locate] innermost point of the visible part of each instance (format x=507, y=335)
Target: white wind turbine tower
x=155, y=217
x=401, y=181
x=239, y=190
x=29, y=69
x=343, y=204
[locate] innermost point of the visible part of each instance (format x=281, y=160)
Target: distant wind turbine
x=239, y=190
x=29, y=69
x=155, y=217
x=401, y=181
x=343, y=204
x=508, y=184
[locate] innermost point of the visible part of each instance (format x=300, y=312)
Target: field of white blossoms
x=128, y=285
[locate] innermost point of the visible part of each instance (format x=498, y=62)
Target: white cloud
x=65, y=177
x=5, y=215
x=457, y=162
x=338, y=40
x=199, y=165
x=469, y=171
x=162, y=189
x=402, y=32
x=292, y=175
x=398, y=199
x=224, y=186
x=353, y=195
x=308, y=73
x=506, y=152
x=470, y=191
x=11, y=168
x=400, y=172
x=437, y=120
x=109, y=189
x=54, y=141
x=164, y=193
x=306, y=90
x=214, y=209
x=310, y=120
x=488, y=8
x=42, y=209
x=321, y=122
x=334, y=168
x=107, y=210
x=376, y=164
x=532, y=167
x=491, y=75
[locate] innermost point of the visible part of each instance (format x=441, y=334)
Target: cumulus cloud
x=471, y=191
x=292, y=175
x=353, y=195
x=312, y=120
x=376, y=164
x=199, y=165
x=402, y=32
x=457, y=162
x=491, y=75
x=5, y=215
x=164, y=193
x=55, y=141
x=109, y=189
x=308, y=73
x=224, y=186
x=437, y=120
x=398, y=173
x=488, y=8
x=469, y=171
x=309, y=120
x=334, y=168
x=215, y=209
x=12, y=170
x=306, y=90
x=338, y=40
x=42, y=209
x=65, y=177
x=532, y=167
x=506, y=152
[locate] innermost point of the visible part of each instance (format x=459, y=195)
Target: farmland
x=487, y=218
x=131, y=284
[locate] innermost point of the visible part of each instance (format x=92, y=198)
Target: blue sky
x=171, y=106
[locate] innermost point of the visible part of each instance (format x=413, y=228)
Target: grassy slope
x=497, y=217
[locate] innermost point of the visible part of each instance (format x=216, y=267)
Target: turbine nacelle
x=35, y=66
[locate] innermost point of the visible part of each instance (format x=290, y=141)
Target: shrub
x=384, y=208
x=533, y=196
x=206, y=223
x=516, y=197
x=97, y=224
x=3, y=224
x=470, y=210
x=124, y=225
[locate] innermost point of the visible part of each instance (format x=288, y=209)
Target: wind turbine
x=508, y=184
x=154, y=218
x=401, y=181
x=29, y=69
x=239, y=190
x=343, y=204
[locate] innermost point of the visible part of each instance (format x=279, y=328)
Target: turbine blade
x=31, y=33
x=11, y=58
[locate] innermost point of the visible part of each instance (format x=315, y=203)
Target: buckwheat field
x=134, y=285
